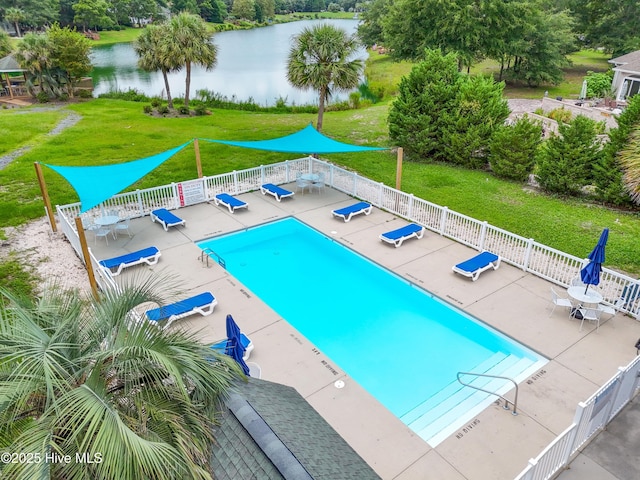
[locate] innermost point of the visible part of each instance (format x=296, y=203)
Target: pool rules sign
x=191, y=192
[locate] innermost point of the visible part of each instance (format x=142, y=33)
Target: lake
x=251, y=64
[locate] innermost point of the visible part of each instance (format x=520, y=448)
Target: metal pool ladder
x=506, y=402
x=207, y=253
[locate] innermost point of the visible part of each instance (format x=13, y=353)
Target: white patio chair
x=591, y=315
x=319, y=184
x=88, y=224
x=302, y=184
x=102, y=232
x=607, y=309
x=123, y=226
x=559, y=301
x=577, y=282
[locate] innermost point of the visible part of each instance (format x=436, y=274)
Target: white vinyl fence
x=525, y=253
x=591, y=417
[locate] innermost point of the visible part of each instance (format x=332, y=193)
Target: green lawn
x=582, y=62
x=567, y=225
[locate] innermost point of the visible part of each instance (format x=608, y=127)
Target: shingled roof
x=269, y=431
x=627, y=63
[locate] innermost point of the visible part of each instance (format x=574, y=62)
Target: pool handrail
x=506, y=402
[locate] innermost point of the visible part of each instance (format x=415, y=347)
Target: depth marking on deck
x=536, y=376
x=329, y=367
x=414, y=277
x=455, y=299
x=464, y=430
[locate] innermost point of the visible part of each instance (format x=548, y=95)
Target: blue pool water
x=403, y=345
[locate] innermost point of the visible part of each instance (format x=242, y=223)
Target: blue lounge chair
x=276, y=191
x=356, y=209
x=229, y=201
x=166, y=218
x=401, y=234
x=203, y=304
x=246, y=343
x=148, y=255
x=629, y=297
x=476, y=265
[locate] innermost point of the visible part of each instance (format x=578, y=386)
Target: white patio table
x=578, y=293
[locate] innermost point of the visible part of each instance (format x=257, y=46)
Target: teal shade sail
x=95, y=184
x=308, y=140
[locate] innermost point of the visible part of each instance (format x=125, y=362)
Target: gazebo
x=9, y=65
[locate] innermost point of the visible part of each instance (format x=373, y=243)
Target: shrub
x=42, y=97
x=131, y=95
x=200, y=109
x=163, y=109
x=183, y=110
x=513, y=149
x=83, y=93
x=354, y=100
x=147, y=109
x=156, y=102
x=444, y=115
x=566, y=161
x=560, y=115
x=480, y=109
x=598, y=84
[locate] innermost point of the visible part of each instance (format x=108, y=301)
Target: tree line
x=28, y=15
x=530, y=39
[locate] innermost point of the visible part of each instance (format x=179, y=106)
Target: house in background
x=626, y=78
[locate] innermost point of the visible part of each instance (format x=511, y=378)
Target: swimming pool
x=402, y=344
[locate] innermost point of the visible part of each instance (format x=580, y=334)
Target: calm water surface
x=251, y=64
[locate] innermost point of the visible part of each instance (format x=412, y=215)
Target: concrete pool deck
x=495, y=444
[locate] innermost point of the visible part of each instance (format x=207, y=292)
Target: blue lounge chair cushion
x=166, y=218
x=229, y=201
x=148, y=255
x=478, y=264
x=202, y=304
x=401, y=234
x=630, y=294
x=357, y=208
x=275, y=190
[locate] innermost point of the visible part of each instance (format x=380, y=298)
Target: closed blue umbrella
x=590, y=274
x=234, y=347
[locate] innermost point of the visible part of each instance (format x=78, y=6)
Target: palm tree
x=154, y=53
x=80, y=378
x=34, y=55
x=630, y=162
x=15, y=16
x=5, y=44
x=191, y=43
x=321, y=58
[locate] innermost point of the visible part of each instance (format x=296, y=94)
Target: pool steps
x=456, y=401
